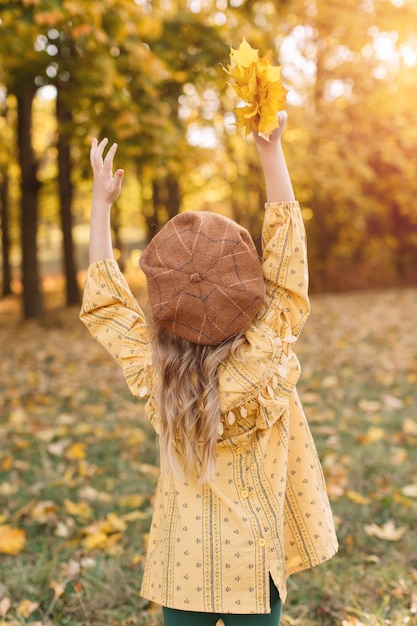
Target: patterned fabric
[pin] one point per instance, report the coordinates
(212, 548)
(204, 277)
(175, 617)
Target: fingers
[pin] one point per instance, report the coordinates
(282, 117)
(93, 150)
(117, 182)
(96, 154)
(96, 151)
(108, 160)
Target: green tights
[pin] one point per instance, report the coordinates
(175, 617)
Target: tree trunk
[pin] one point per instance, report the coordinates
(65, 200)
(166, 198)
(32, 297)
(174, 198)
(5, 235)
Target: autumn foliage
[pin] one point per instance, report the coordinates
(149, 76)
(258, 83)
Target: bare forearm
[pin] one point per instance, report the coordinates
(100, 234)
(277, 179)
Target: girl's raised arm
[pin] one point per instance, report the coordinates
(277, 179)
(106, 190)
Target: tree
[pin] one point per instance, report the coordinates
(149, 76)
(346, 88)
(32, 299)
(4, 200)
(65, 186)
(19, 64)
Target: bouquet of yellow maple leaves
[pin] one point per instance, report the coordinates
(258, 83)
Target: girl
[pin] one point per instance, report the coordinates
(241, 502)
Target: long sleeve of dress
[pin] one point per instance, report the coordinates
(265, 369)
(285, 268)
(114, 318)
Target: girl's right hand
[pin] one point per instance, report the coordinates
(106, 187)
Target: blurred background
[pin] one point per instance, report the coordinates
(149, 75)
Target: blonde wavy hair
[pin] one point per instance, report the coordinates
(188, 401)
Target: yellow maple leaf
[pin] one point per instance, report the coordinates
(78, 509)
(257, 82)
(12, 540)
(132, 501)
(356, 497)
(95, 540)
(76, 452)
(244, 56)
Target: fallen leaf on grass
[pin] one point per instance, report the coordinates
(5, 604)
(6, 463)
(413, 604)
(133, 516)
(63, 529)
(392, 402)
(104, 534)
(132, 501)
(12, 540)
(58, 448)
(387, 531)
(369, 406)
(71, 569)
(7, 489)
(78, 509)
(356, 497)
(58, 589)
(44, 512)
(26, 608)
(330, 381)
(76, 452)
(410, 491)
(136, 559)
(410, 426)
(372, 435)
(89, 493)
(399, 456)
(337, 477)
(150, 470)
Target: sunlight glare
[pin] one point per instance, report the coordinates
(408, 55)
(384, 45)
(47, 92)
(203, 137)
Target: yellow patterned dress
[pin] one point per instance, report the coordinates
(213, 547)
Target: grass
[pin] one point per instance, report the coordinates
(78, 468)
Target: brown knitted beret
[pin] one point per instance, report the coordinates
(204, 277)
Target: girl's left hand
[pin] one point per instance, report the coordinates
(106, 187)
(275, 136)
